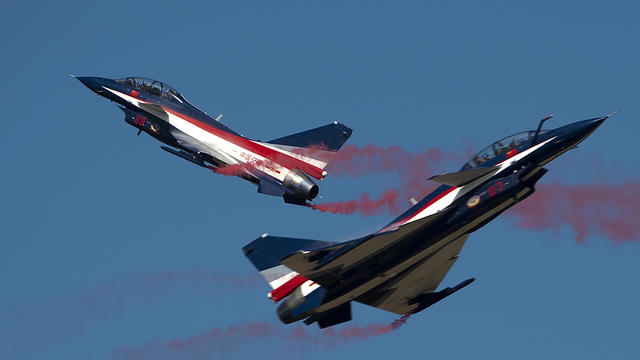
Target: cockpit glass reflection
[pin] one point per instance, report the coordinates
(153, 87)
(500, 150)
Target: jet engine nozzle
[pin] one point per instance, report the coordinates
(299, 183)
(296, 306)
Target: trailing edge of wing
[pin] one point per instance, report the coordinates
(462, 177)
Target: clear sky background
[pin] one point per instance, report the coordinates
(110, 243)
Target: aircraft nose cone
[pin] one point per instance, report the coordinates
(93, 83)
(582, 129)
(590, 125)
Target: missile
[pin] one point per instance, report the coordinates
(185, 155)
(428, 299)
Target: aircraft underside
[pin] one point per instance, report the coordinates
(400, 282)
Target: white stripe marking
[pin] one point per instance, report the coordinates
(446, 200)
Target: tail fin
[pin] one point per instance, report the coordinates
(301, 295)
(266, 252)
(316, 146)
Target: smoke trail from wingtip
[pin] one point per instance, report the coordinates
(609, 210)
(221, 341)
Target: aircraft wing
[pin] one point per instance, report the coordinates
(399, 295)
(462, 177)
(325, 265)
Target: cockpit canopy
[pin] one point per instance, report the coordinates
(500, 150)
(153, 87)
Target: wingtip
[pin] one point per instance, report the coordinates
(72, 75)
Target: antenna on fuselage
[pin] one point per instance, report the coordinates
(219, 117)
(535, 137)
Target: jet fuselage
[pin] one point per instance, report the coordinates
(281, 167)
(399, 267)
(468, 208)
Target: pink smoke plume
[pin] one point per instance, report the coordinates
(107, 300)
(229, 170)
(609, 210)
(223, 340)
(105, 295)
(352, 160)
(412, 169)
(240, 169)
(363, 205)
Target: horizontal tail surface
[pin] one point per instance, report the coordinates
(266, 252)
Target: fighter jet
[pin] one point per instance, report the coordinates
(399, 267)
(279, 167)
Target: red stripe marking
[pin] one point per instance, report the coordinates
(287, 288)
(400, 222)
(283, 159)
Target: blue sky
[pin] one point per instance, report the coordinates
(108, 242)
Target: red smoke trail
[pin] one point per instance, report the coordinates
(364, 205)
(229, 170)
(40, 318)
(240, 169)
(223, 340)
(104, 296)
(352, 160)
(608, 210)
(412, 169)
